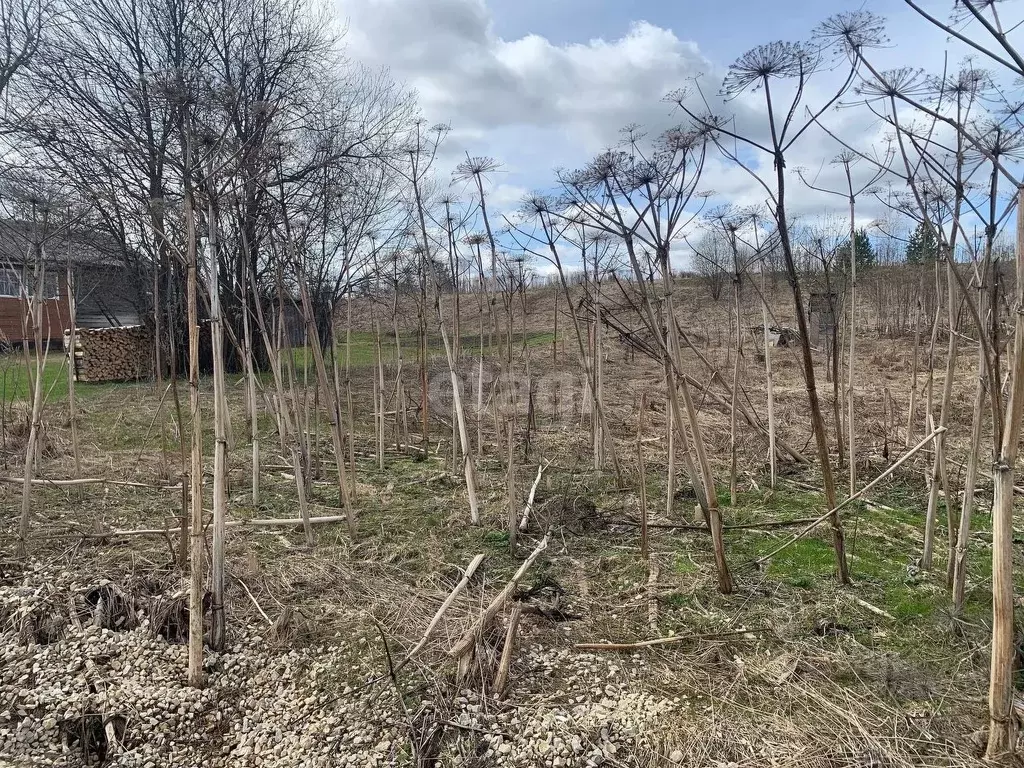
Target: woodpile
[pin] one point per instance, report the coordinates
(111, 354)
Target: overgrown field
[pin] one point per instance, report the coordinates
(789, 670)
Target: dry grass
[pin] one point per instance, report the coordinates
(820, 681)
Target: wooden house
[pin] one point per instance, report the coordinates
(15, 328)
(106, 289)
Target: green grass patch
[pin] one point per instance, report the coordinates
(677, 600)
(684, 565)
(805, 558)
(880, 544)
(16, 382)
(496, 539)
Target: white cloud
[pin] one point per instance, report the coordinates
(580, 94)
(535, 105)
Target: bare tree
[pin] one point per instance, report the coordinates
(22, 26)
(711, 262)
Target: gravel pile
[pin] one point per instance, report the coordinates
(263, 706)
(586, 712)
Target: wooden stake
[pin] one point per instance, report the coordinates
(510, 480)
(1002, 733)
(72, 409)
(250, 388)
(974, 454)
(348, 393)
(378, 395)
(852, 330)
(220, 419)
(468, 464)
(737, 282)
(300, 486)
(34, 318)
(912, 408)
(773, 462)
(196, 677)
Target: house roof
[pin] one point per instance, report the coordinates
(107, 294)
(85, 247)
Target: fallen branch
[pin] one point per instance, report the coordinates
(425, 480)
(663, 641)
(873, 608)
(818, 521)
(801, 484)
(870, 503)
(402, 447)
(470, 570)
(524, 521)
(253, 599)
(89, 481)
(767, 524)
(276, 521)
(464, 649)
(734, 527)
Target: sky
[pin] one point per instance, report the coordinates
(546, 84)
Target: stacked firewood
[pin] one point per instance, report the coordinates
(111, 354)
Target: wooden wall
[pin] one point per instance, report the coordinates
(56, 316)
